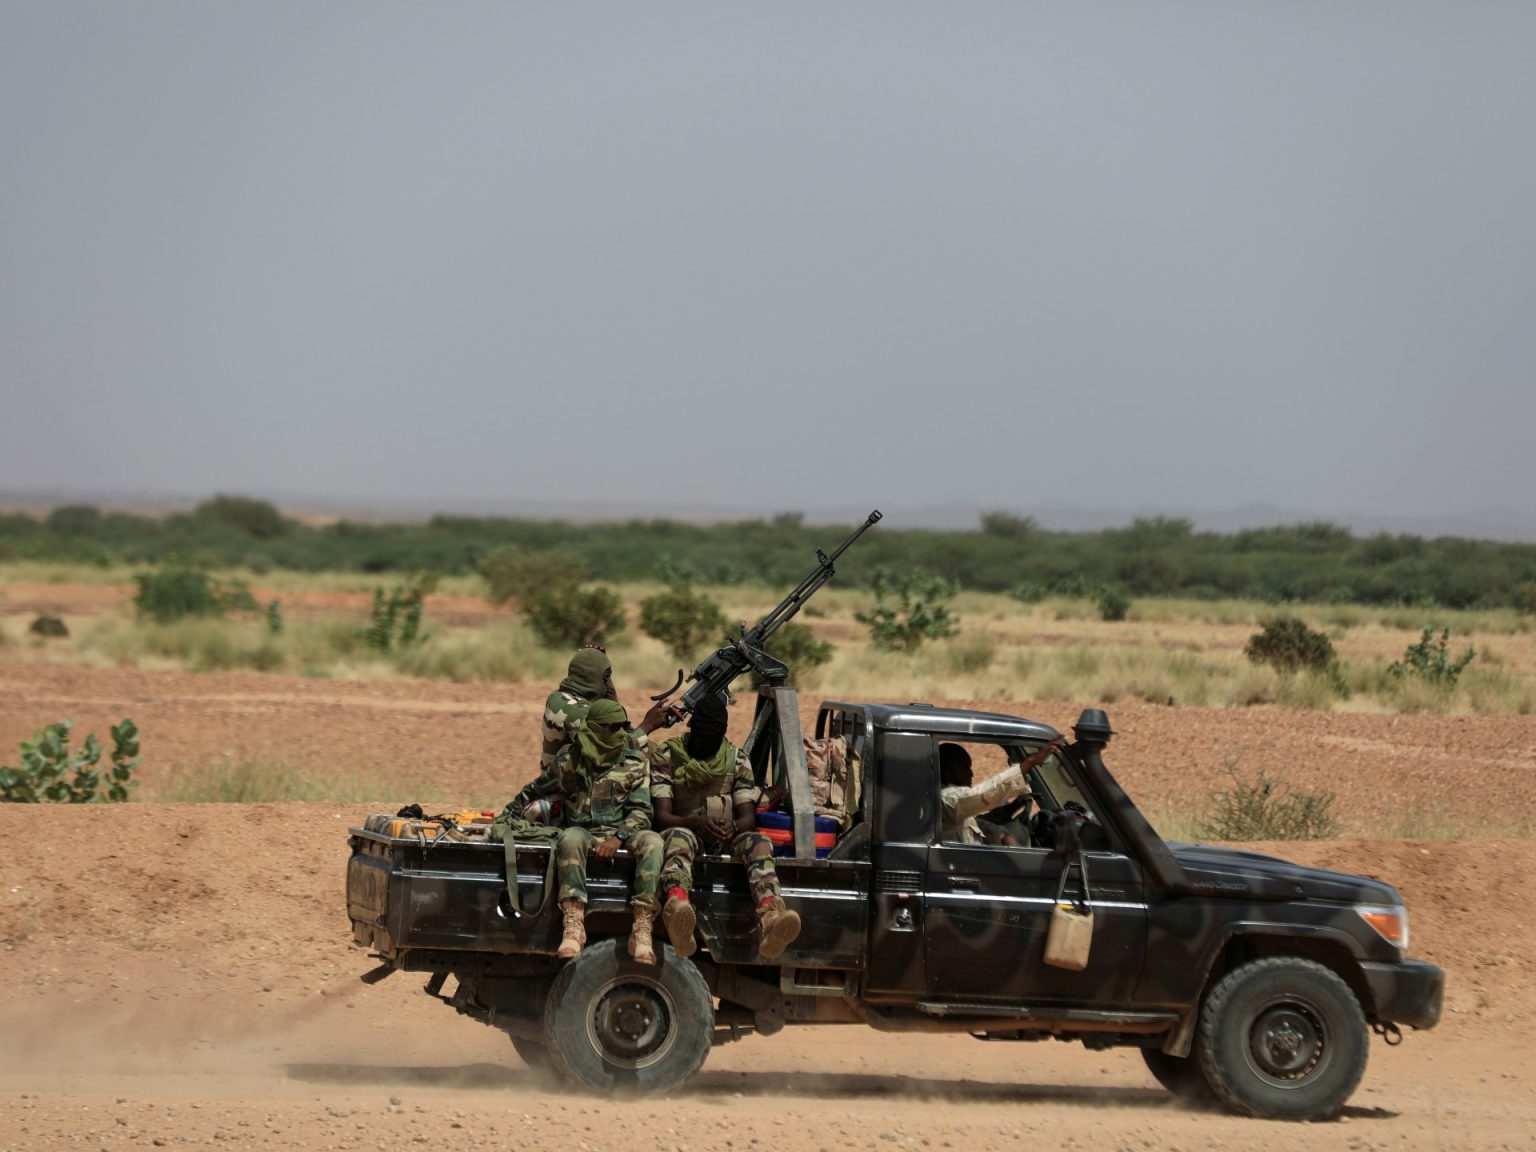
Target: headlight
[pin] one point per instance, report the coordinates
(1389, 920)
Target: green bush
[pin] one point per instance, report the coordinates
(171, 593)
(50, 772)
(796, 645)
(1525, 598)
(918, 613)
(683, 620)
(514, 574)
(275, 618)
(1113, 603)
(1288, 645)
(256, 518)
(1429, 660)
(394, 622)
(1262, 809)
(49, 628)
(570, 616)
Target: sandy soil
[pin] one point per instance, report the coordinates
(183, 976)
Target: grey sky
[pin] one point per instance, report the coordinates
(1194, 255)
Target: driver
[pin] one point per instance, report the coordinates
(964, 802)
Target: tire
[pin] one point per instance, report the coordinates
(620, 1028)
(1181, 1075)
(533, 1053)
(1283, 1039)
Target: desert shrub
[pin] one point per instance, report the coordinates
(255, 518)
(1262, 809)
(173, 592)
(570, 616)
(918, 613)
(682, 619)
(1112, 602)
(394, 622)
(1287, 644)
(1525, 598)
(1028, 592)
(48, 627)
(275, 618)
(801, 651)
(514, 574)
(50, 772)
(1429, 660)
(1007, 525)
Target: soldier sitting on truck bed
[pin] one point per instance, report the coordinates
(704, 795)
(964, 802)
(589, 677)
(605, 806)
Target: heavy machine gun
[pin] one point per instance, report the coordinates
(745, 652)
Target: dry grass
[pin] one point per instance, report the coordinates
(1169, 652)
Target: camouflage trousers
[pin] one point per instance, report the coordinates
(571, 864)
(682, 847)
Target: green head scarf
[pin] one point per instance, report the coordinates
(585, 675)
(603, 747)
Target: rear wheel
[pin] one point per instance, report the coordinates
(1179, 1074)
(618, 1027)
(1283, 1039)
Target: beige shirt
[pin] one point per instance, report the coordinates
(962, 804)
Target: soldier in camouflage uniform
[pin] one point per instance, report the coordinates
(606, 805)
(704, 796)
(589, 677)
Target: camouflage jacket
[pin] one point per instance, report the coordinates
(563, 714)
(618, 799)
(692, 800)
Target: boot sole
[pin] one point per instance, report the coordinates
(785, 931)
(679, 926)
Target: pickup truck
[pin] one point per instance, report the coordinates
(1242, 979)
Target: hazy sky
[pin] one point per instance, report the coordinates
(1188, 254)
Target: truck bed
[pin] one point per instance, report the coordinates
(407, 894)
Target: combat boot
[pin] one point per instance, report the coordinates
(777, 928)
(575, 914)
(677, 918)
(640, 946)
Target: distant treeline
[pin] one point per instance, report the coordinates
(1151, 557)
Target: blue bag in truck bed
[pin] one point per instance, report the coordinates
(780, 829)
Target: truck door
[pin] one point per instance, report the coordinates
(988, 910)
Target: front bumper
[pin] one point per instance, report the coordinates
(1408, 993)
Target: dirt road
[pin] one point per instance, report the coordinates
(183, 976)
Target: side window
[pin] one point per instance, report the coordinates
(972, 809)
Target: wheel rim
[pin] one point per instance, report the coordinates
(1288, 1042)
(630, 1025)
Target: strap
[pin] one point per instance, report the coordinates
(1081, 863)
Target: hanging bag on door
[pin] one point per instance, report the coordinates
(1071, 932)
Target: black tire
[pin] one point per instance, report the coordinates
(1181, 1075)
(621, 1028)
(534, 1053)
(1283, 1039)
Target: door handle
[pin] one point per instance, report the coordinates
(965, 882)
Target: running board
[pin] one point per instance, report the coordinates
(1087, 1019)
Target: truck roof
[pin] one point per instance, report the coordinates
(919, 717)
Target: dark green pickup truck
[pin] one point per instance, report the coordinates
(1241, 978)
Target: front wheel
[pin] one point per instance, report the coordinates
(1283, 1039)
(618, 1027)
